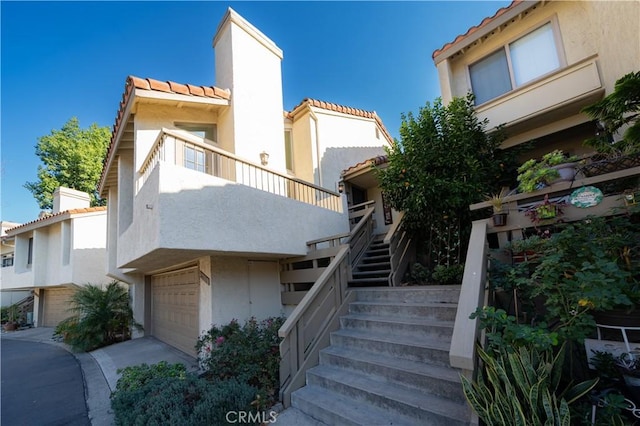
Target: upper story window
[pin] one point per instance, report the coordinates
(206, 131)
(517, 63)
(7, 260)
(193, 157)
(30, 251)
(288, 149)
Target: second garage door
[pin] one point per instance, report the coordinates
(56, 306)
(174, 308)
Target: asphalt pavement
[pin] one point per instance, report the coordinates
(42, 384)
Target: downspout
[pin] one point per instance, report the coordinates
(315, 119)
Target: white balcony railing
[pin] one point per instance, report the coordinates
(191, 152)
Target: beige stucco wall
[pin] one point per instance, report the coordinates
(67, 252)
(242, 287)
(181, 209)
(608, 29)
(327, 142)
(249, 63)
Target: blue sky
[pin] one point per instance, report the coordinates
(65, 59)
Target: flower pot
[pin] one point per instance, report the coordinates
(547, 211)
(567, 171)
(10, 326)
(499, 219)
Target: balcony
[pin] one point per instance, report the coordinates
(552, 98)
(193, 199)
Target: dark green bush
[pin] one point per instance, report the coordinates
(249, 353)
(137, 376)
(101, 317)
(443, 274)
(184, 401)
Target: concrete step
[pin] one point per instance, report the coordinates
(418, 328)
(374, 266)
(429, 409)
(375, 251)
(440, 311)
(425, 378)
(334, 409)
(369, 282)
(375, 259)
(411, 294)
(432, 351)
(374, 273)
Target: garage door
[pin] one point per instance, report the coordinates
(174, 308)
(56, 305)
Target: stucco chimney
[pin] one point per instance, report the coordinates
(249, 64)
(68, 199)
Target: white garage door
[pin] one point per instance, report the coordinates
(174, 308)
(56, 305)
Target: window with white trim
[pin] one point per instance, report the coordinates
(193, 157)
(205, 131)
(515, 64)
(288, 149)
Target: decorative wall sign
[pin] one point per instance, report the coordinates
(585, 197)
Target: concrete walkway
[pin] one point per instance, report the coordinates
(100, 371)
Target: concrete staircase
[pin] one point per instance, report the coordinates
(388, 364)
(374, 267)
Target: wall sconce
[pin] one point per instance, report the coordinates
(264, 158)
(341, 186)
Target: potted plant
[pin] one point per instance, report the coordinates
(536, 174)
(497, 202)
(545, 210)
(628, 364)
(12, 318)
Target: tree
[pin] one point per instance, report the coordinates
(73, 158)
(444, 162)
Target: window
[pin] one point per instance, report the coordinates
(7, 260)
(517, 63)
(288, 149)
(206, 131)
(193, 158)
(30, 251)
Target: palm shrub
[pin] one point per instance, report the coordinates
(523, 388)
(100, 317)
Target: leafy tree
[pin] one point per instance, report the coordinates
(73, 158)
(617, 111)
(101, 317)
(444, 162)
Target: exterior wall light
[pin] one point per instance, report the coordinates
(264, 158)
(341, 186)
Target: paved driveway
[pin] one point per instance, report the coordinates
(41, 385)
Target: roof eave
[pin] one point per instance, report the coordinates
(481, 30)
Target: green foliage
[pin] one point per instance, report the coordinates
(444, 162)
(71, 157)
(523, 388)
(101, 317)
(618, 109)
(249, 353)
(505, 334)
(135, 377)
(443, 274)
(180, 400)
(419, 274)
(588, 266)
(10, 313)
(534, 174)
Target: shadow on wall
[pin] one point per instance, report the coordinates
(335, 160)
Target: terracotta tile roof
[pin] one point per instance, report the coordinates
(473, 29)
(375, 161)
(158, 86)
(70, 212)
(342, 109)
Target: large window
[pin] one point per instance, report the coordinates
(517, 63)
(193, 157)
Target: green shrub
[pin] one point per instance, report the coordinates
(249, 353)
(443, 274)
(137, 376)
(101, 317)
(183, 401)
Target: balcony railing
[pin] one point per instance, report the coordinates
(185, 150)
